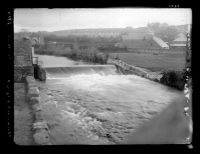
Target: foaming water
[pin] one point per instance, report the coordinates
(98, 100)
(119, 87)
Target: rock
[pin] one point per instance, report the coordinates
(36, 107)
(41, 75)
(34, 100)
(31, 84)
(40, 125)
(39, 116)
(30, 79)
(33, 92)
(41, 137)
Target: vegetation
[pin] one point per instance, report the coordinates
(164, 31)
(88, 55)
(162, 61)
(81, 38)
(173, 79)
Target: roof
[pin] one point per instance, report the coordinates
(140, 44)
(181, 37)
(178, 45)
(137, 36)
(160, 42)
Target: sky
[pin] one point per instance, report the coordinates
(63, 19)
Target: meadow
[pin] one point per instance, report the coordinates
(154, 62)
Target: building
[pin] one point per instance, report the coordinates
(143, 39)
(160, 42)
(179, 43)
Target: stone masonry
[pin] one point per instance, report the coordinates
(22, 60)
(41, 131)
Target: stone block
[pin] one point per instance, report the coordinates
(33, 92)
(30, 79)
(31, 84)
(37, 107)
(34, 100)
(40, 125)
(41, 137)
(38, 116)
(20, 73)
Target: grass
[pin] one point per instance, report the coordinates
(154, 62)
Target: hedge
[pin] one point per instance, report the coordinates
(175, 79)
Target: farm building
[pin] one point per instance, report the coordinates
(140, 44)
(179, 42)
(137, 34)
(160, 42)
(142, 39)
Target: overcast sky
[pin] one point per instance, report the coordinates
(62, 19)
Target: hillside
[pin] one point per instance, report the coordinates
(114, 31)
(179, 28)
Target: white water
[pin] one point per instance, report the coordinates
(122, 100)
(120, 87)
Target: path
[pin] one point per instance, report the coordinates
(23, 118)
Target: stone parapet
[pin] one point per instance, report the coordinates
(20, 73)
(41, 131)
(130, 69)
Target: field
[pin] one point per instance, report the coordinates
(154, 62)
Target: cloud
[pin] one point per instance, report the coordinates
(59, 19)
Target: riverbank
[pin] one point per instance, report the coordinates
(23, 117)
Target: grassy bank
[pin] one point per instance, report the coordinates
(154, 62)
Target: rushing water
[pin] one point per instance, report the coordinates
(100, 104)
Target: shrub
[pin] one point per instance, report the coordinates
(173, 79)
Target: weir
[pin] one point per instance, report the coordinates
(80, 69)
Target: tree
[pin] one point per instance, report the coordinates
(164, 31)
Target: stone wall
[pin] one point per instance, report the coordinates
(41, 133)
(20, 73)
(125, 68)
(22, 59)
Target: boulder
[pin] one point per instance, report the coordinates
(33, 92)
(40, 125)
(36, 107)
(34, 100)
(39, 116)
(42, 74)
(30, 79)
(31, 84)
(41, 137)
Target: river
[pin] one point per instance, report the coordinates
(93, 104)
